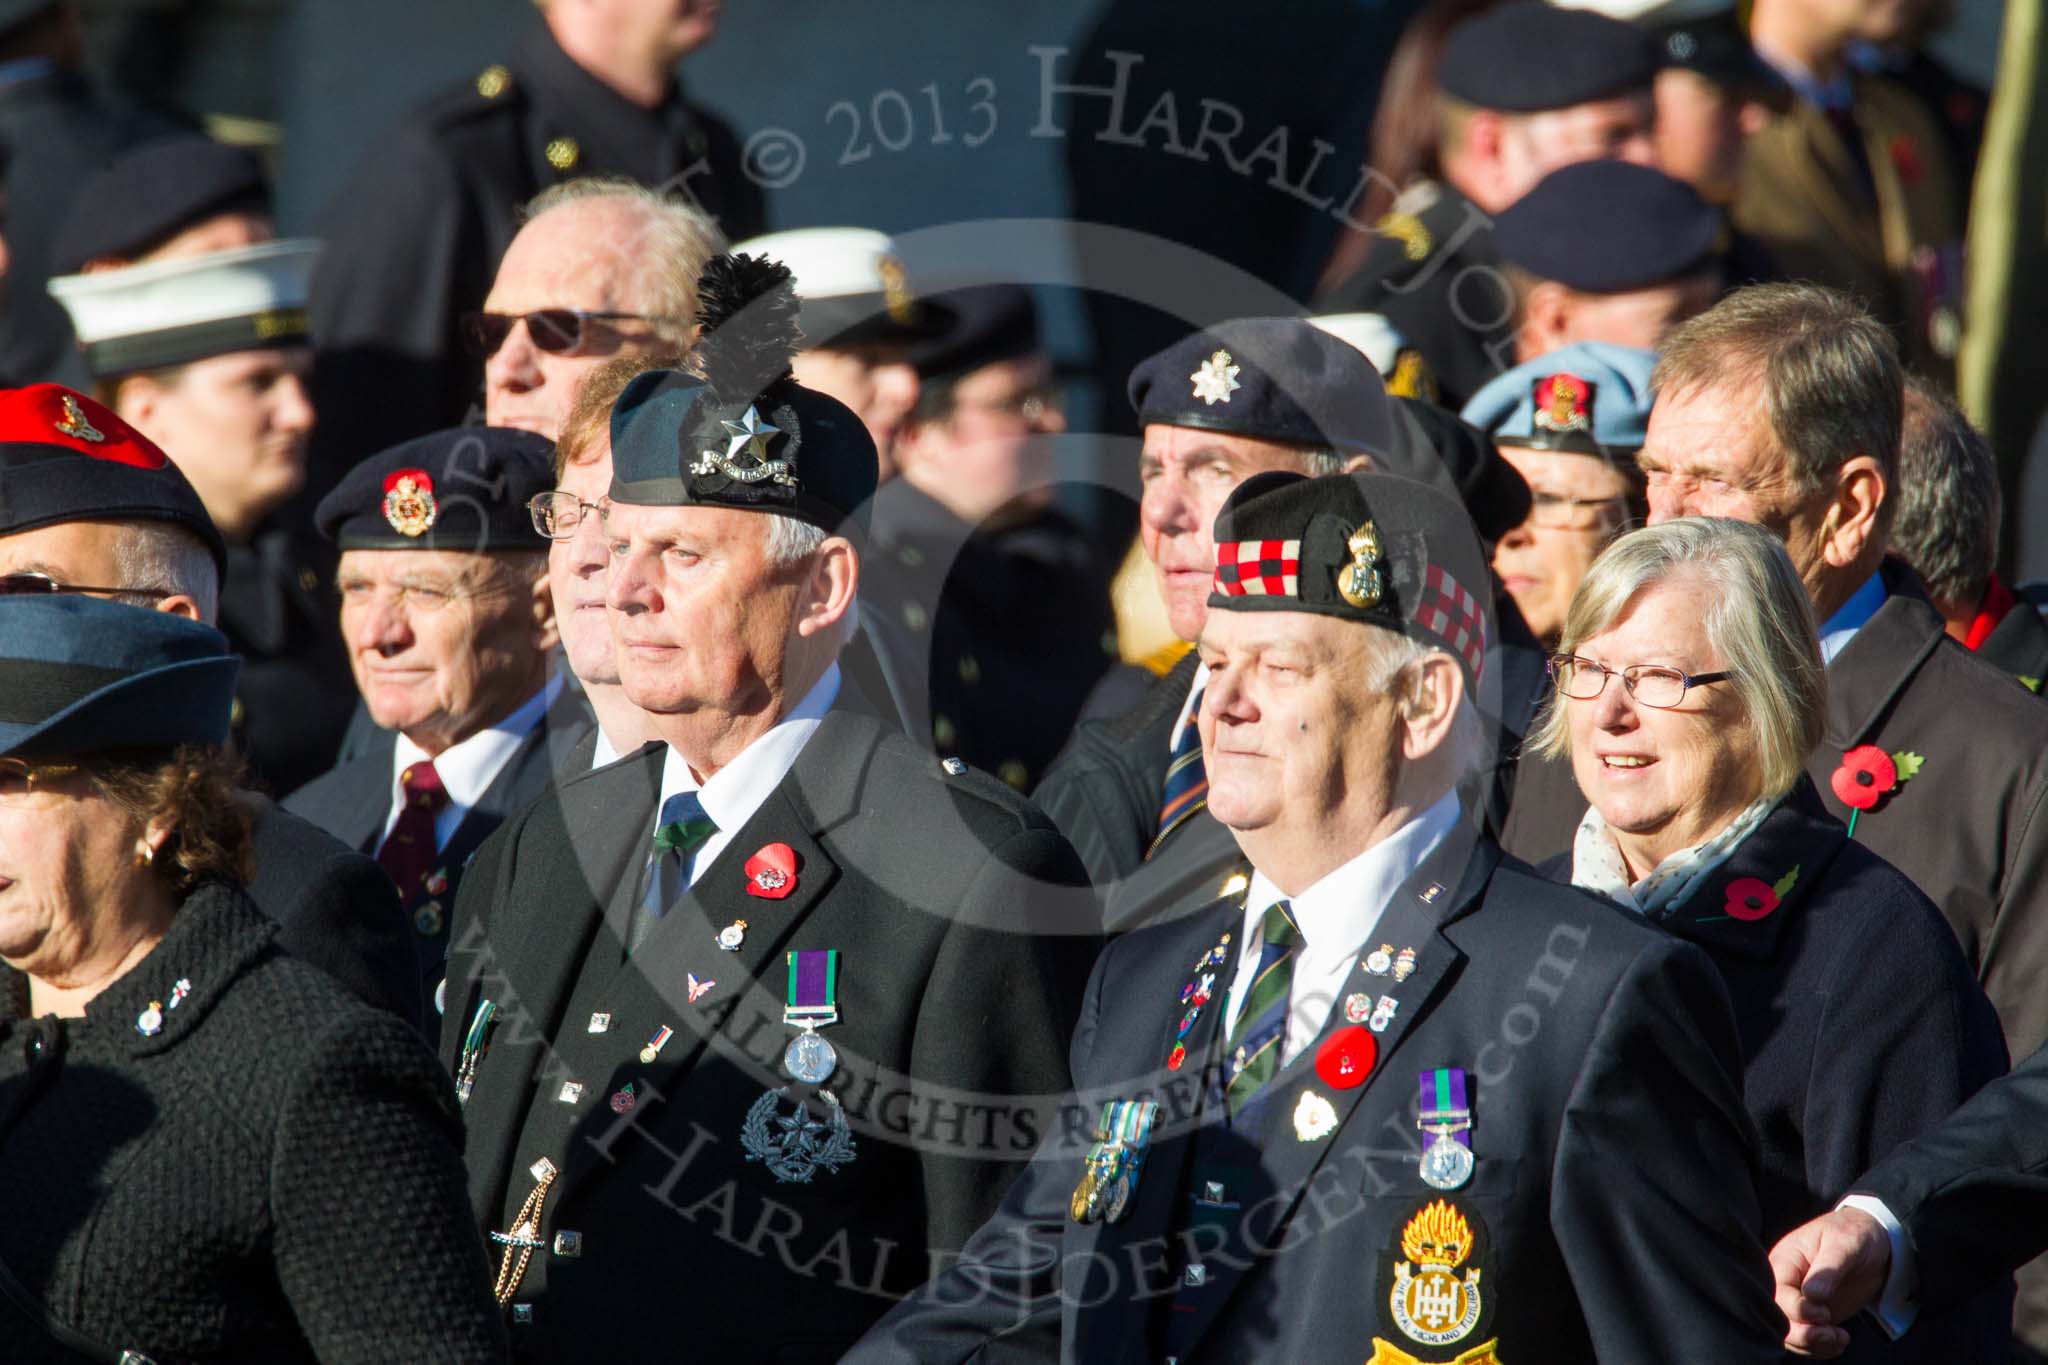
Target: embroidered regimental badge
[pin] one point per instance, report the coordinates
(409, 502)
(1434, 1283)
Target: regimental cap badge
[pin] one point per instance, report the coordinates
(75, 425)
(896, 295)
(1564, 403)
(746, 453)
(1362, 582)
(1216, 379)
(409, 502)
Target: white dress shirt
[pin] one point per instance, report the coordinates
(1187, 707)
(737, 790)
(1337, 917)
(604, 752)
(467, 769)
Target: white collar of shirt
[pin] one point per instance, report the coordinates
(604, 752)
(1336, 917)
(468, 768)
(1838, 630)
(738, 789)
(1187, 707)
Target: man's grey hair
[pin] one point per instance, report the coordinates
(1390, 654)
(1949, 509)
(166, 558)
(1823, 371)
(676, 240)
(791, 541)
(1760, 623)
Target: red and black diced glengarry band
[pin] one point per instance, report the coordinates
(1246, 568)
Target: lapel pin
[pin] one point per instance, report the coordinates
(1380, 960)
(151, 1020)
(437, 881)
(1315, 1118)
(697, 988)
(1383, 1013)
(601, 1022)
(571, 1092)
(179, 992)
(771, 872)
(1357, 1008)
(1404, 964)
(733, 935)
(623, 1099)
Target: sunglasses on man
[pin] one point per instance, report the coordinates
(32, 584)
(558, 331)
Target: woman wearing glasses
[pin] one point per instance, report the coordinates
(1570, 422)
(208, 1150)
(1689, 694)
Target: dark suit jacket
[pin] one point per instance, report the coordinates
(335, 909)
(1861, 1027)
(1973, 1193)
(354, 800)
(295, 694)
(2018, 644)
(1614, 1177)
(273, 1175)
(955, 1009)
(1968, 829)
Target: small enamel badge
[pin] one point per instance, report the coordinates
(1216, 380)
(771, 872)
(733, 935)
(1315, 1118)
(1404, 964)
(179, 991)
(437, 882)
(151, 1020)
(1380, 961)
(698, 988)
(624, 1099)
(409, 504)
(1357, 1008)
(1383, 1013)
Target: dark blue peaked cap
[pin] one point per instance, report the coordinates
(82, 675)
(1607, 227)
(1271, 379)
(1528, 56)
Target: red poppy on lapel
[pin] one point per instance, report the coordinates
(1906, 156)
(1750, 898)
(771, 873)
(1868, 774)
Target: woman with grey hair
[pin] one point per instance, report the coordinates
(1689, 693)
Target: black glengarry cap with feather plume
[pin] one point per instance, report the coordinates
(741, 432)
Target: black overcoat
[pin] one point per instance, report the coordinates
(1861, 1027)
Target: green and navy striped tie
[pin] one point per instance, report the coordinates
(1262, 1020)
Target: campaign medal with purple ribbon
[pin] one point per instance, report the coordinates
(1446, 1112)
(813, 1002)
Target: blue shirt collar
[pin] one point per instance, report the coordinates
(1838, 630)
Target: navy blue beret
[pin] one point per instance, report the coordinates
(1529, 56)
(82, 675)
(465, 488)
(1373, 548)
(677, 443)
(1272, 379)
(1609, 226)
(64, 457)
(150, 192)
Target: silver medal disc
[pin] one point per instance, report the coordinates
(810, 1059)
(1447, 1164)
(1119, 1197)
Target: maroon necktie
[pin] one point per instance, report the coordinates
(408, 852)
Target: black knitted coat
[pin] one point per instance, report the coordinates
(232, 1158)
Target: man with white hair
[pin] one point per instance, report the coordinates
(1262, 1183)
(787, 964)
(602, 268)
(416, 233)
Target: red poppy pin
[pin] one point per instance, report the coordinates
(1753, 898)
(1868, 774)
(1906, 156)
(771, 873)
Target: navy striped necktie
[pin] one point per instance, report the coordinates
(1187, 782)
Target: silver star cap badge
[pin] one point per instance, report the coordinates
(750, 433)
(1216, 380)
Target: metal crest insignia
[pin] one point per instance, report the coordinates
(794, 1145)
(1360, 582)
(74, 424)
(1216, 380)
(746, 457)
